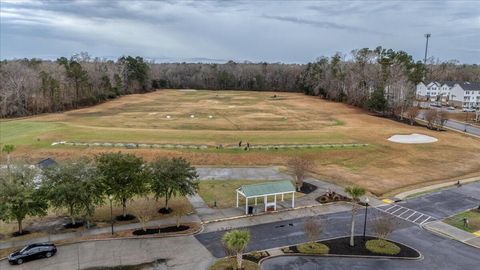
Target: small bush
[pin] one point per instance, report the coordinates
(231, 264)
(313, 248)
(380, 246)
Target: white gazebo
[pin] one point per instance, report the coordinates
(264, 190)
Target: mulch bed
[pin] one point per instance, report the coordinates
(125, 218)
(70, 225)
(170, 229)
(165, 211)
(332, 197)
(256, 256)
(146, 232)
(307, 188)
(341, 246)
(16, 234)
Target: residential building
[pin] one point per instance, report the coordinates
(466, 94)
(435, 91)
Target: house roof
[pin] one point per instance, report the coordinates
(470, 85)
(464, 84)
(46, 163)
(275, 187)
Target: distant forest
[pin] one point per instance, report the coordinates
(33, 86)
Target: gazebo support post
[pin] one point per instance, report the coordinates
(246, 205)
(265, 200)
(237, 198)
(255, 200)
(282, 197)
(275, 202)
(293, 199)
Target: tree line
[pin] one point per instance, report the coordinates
(33, 86)
(81, 185)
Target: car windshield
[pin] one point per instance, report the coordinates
(24, 249)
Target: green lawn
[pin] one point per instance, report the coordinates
(473, 217)
(223, 192)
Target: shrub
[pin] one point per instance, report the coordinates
(385, 247)
(313, 248)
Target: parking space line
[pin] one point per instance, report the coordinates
(396, 210)
(418, 218)
(414, 212)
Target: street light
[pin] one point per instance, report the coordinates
(466, 121)
(110, 197)
(365, 222)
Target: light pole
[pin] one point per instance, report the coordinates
(466, 120)
(427, 36)
(365, 222)
(110, 197)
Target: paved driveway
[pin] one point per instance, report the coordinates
(182, 253)
(241, 173)
(448, 202)
(439, 253)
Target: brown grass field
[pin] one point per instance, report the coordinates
(258, 118)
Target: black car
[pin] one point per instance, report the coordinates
(32, 252)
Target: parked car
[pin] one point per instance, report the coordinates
(468, 109)
(451, 108)
(32, 252)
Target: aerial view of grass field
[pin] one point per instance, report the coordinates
(226, 117)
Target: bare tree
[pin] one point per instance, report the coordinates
(179, 212)
(144, 212)
(383, 226)
(299, 167)
(412, 113)
(440, 119)
(313, 229)
(430, 117)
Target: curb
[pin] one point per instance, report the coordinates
(405, 194)
(421, 257)
(442, 234)
(266, 213)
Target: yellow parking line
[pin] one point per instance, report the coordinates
(477, 233)
(387, 201)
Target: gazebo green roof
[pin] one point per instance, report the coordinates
(255, 190)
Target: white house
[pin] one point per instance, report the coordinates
(435, 90)
(466, 94)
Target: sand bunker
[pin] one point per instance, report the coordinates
(187, 90)
(412, 138)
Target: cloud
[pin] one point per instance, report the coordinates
(322, 24)
(274, 31)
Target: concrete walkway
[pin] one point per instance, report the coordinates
(241, 173)
(445, 229)
(95, 231)
(405, 194)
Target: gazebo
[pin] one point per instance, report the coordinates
(264, 190)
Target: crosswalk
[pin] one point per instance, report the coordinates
(406, 213)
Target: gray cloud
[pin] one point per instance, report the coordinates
(322, 24)
(216, 31)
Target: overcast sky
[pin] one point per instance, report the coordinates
(272, 31)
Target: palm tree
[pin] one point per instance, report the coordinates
(355, 193)
(236, 241)
(8, 148)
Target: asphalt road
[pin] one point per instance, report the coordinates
(439, 252)
(444, 203)
(461, 127)
(289, 232)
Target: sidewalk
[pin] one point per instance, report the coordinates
(405, 194)
(443, 228)
(96, 231)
